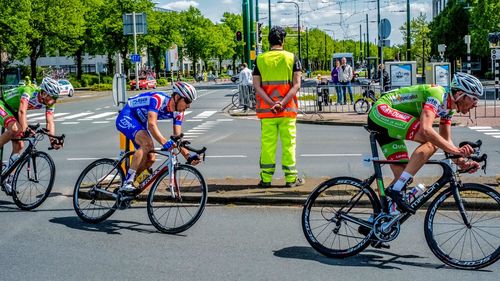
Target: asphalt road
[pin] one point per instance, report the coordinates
(227, 243)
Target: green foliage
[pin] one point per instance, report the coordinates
(89, 80)
(485, 18)
(101, 87)
(420, 33)
(161, 82)
(74, 82)
(14, 26)
(322, 72)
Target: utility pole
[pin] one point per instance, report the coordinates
(269, 12)
(307, 51)
(246, 32)
(360, 45)
(256, 39)
(423, 60)
(252, 33)
(378, 31)
(408, 23)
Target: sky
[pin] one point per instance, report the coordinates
(339, 18)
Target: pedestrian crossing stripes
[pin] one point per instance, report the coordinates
(489, 131)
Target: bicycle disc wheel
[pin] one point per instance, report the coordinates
(456, 244)
(33, 180)
(91, 205)
(323, 217)
(361, 106)
(174, 213)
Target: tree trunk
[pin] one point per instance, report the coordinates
(79, 62)
(33, 58)
(111, 64)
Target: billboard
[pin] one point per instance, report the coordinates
(442, 75)
(401, 74)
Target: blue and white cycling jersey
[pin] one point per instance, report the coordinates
(157, 102)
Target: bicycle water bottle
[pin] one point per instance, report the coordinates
(415, 192)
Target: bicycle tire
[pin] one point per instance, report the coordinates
(30, 192)
(185, 211)
(361, 106)
(474, 197)
(235, 100)
(322, 206)
(85, 196)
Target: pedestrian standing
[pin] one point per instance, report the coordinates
(345, 77)
(245, 87)
(335, 82)
(276, 79)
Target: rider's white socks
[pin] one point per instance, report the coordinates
(401, 182)
(130, 175)
(13, 158)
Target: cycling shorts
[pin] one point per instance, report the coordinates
(129, 126)
(393, 127)
(6, 116)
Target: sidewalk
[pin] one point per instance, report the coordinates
(246, 191)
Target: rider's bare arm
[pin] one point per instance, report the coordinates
(23, 114)
(49, 118)
(430, 135)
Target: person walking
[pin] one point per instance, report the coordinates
(245, 87)
(276, 79)
(335, 82)
(345, 77)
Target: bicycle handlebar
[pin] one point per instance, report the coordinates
(42, 131)
(185, 144)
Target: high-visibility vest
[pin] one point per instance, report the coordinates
(276, 71)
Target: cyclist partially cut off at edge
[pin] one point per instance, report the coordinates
(408, 114)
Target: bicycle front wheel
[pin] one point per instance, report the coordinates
(329, 214)
(176, 210)
(235, 100)
(361, 106)
(33, 180)
(92, 197)
(471, 246)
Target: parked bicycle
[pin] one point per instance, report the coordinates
(175, 201)
(343, 215)
(250, 99)
(363, 104)
(33, 172)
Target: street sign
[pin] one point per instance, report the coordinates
(135, 58)
(384, 28)
(140, 24)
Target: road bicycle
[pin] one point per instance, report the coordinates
(235, 100)
(343, 215)
(175, 201)
(363, 104)
(33, 173)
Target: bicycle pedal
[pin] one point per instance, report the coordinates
(380, 245)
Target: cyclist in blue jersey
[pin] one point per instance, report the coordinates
(138, 121)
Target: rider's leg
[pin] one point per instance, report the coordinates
(12, 130)
(145, 143)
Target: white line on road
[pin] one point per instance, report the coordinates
(498, 137)
(224, 120)
(70, 123)
(492, 130)
(55, 116)
(193, 133)
(194, 120)
(205, 114)
(102, 115)
(479, 128)
(100, 122)
(35, 114)
(83, 159)
(497, 133)
(75, 116)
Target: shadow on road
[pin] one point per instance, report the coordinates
(108, 226)
(369, 258)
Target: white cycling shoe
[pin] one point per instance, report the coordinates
(128, 187)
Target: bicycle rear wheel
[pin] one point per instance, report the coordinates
(90, 202)
(456, 244)
(235, 100)
(176, 213)
(361, 106)
(324, 217)
(33, 180)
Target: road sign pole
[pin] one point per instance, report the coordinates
(135, 52)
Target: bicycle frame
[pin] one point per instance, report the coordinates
(29, 150)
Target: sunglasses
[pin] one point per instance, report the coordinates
(187, 101)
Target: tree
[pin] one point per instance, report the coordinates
(53, 28)
(449, 28)
(14, 25)
(485, 18)
(221, 43)
(235, 23)
(420, 36)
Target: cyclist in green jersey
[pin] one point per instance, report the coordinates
(408, 114)
(14, 105)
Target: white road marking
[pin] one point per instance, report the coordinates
(492, 130)
(100, 122)
(194, 120)
(193, 133)
(75, 116)
(498, 137)
(102, 115)
(205, 114)
(497, 133)
(35, 114)
(82, 159)
(70, 123)
(224, 120)
(55, 116)
(479, 128)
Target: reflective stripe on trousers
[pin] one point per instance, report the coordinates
(286, 129)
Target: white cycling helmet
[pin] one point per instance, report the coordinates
(467, 83)
(51, 87)
(185, 90)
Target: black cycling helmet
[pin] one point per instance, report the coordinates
(277, 35)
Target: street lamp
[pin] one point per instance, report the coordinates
(298, 23)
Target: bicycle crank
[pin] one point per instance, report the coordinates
(123, 201)
(385, 228)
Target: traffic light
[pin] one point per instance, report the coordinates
(494, 38)
(259, 33)
(239, 36)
